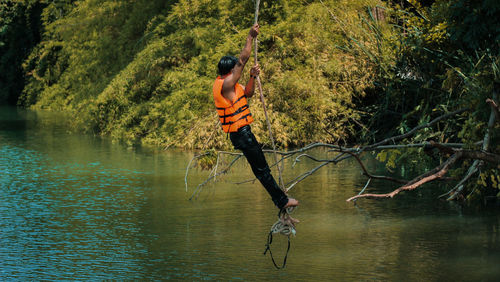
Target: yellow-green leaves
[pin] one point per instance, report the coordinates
(142, 71)
(389, 157)
(489, 178)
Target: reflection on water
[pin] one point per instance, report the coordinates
(78, 207)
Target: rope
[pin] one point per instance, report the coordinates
(282, 226)
(268, 248)
(259, 85)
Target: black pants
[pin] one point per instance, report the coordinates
(245, 141)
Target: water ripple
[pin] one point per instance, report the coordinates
(52, 215)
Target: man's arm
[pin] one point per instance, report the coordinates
(250, 87)
(234, 77)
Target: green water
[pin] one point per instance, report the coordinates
(77, 207)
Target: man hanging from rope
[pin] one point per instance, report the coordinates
(231, 103)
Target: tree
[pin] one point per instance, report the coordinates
(20, 28)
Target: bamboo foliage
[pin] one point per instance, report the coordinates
(142, 71)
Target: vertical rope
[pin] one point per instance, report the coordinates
(259, 85)
(279, 226)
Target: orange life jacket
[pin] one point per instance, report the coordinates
(232, 115)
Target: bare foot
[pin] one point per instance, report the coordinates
(291, 203)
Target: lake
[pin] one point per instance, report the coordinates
(80, 207)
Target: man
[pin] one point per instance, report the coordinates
(231, 102)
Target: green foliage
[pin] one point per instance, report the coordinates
(433, 73)
(388, 157)
(19, 32)
(208, 160)
(490, 178)
(142, 71)
(447, 58)
(85, 44)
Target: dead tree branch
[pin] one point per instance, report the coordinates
(189, 166)
(365, 171)
(460, 185)
(306, 174)
(439, 171)
(483, 156)
(417, 128)
(455, 151)
(214, 173)
(364, 188)
(494, 108)
(469, 154)
(436, 173)
(457, 190)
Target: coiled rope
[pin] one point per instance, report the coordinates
(284, 226)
